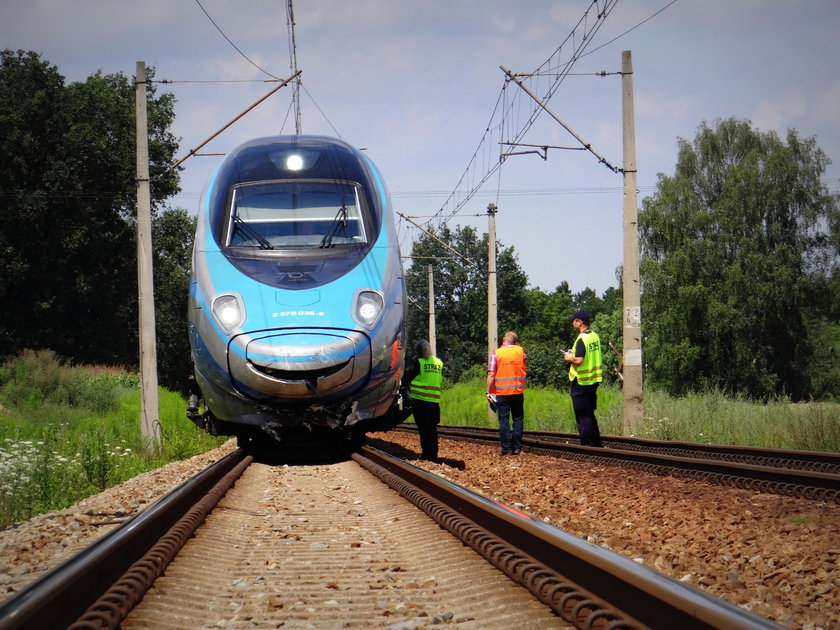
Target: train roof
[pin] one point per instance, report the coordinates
(274, 158)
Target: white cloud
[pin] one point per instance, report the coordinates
(779, 115)
(826, 105)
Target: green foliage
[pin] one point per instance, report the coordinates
(710, 417)
(546, 367)
(717, 418)
(549, 323)
(541, 320)
(546, 409)
(173, 233)
(734, 255)
(66, 433)
(39, 378)
(68, 244)
(609, 326)
(823, 370)
(96, 459)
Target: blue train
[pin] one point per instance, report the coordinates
(297, 297)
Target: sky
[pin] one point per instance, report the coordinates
(418, 85)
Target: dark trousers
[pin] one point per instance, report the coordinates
(427, 417)
(584, 402)
(507, 406)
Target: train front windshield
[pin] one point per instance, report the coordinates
(302, 215)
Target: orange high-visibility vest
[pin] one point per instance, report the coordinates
(510, 371)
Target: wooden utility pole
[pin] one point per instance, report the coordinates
(432, 332)
(149, 413)
(492, 305)
(631, 292)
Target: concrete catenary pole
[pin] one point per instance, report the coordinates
(492, 304)
(631, 291)
(432, 332)
(149, 408)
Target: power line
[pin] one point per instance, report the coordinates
(520, 192)
(584, 30)
(212, 81)
(248, 59)
(318, 107)
(630, 29)
(553, 69)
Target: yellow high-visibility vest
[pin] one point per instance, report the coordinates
(590, 371)
(426, 385)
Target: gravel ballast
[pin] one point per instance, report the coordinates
(776, 556)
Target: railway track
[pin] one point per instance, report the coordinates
(810, 474)
(585, 586)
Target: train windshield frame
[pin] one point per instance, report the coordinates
(306, 217)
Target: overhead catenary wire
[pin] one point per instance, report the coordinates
(446, 245)
(457, 199)
(632, 28)
(338, 135)
(585, 145)
(554, 69)
(229, 41)
(283, 83)
(212, 81)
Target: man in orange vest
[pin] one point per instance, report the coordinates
(506, 373)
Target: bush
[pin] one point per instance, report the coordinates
(68, 432)
(39, 377)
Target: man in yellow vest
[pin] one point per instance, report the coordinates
(506, 373)
(425, 376)
(585, 373)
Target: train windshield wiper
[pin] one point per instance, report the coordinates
(340, 219)
(252, 233)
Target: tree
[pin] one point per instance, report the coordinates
(549, 331)
(172, 234)
(461, 295)
(541, 320)
(734, 254)
(67, 176)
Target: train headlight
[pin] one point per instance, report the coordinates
(228, 310)
(294, 159)
(367, 307)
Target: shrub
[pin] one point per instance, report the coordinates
(68, 432)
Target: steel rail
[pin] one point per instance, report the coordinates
(587, 585)
(820, 461)
(789, 481)
(63, 595)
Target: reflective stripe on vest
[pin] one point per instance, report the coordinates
(510, 371)
(590, 371)
(426, 385)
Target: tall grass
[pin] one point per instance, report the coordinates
(67, 433)
(709, 417)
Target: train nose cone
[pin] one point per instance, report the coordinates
(303, 364)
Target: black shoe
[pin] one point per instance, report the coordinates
(516, 452)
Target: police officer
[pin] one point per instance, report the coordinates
(585, 373)
(506, 371)
(425, 376)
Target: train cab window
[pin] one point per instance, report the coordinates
(302, 215)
